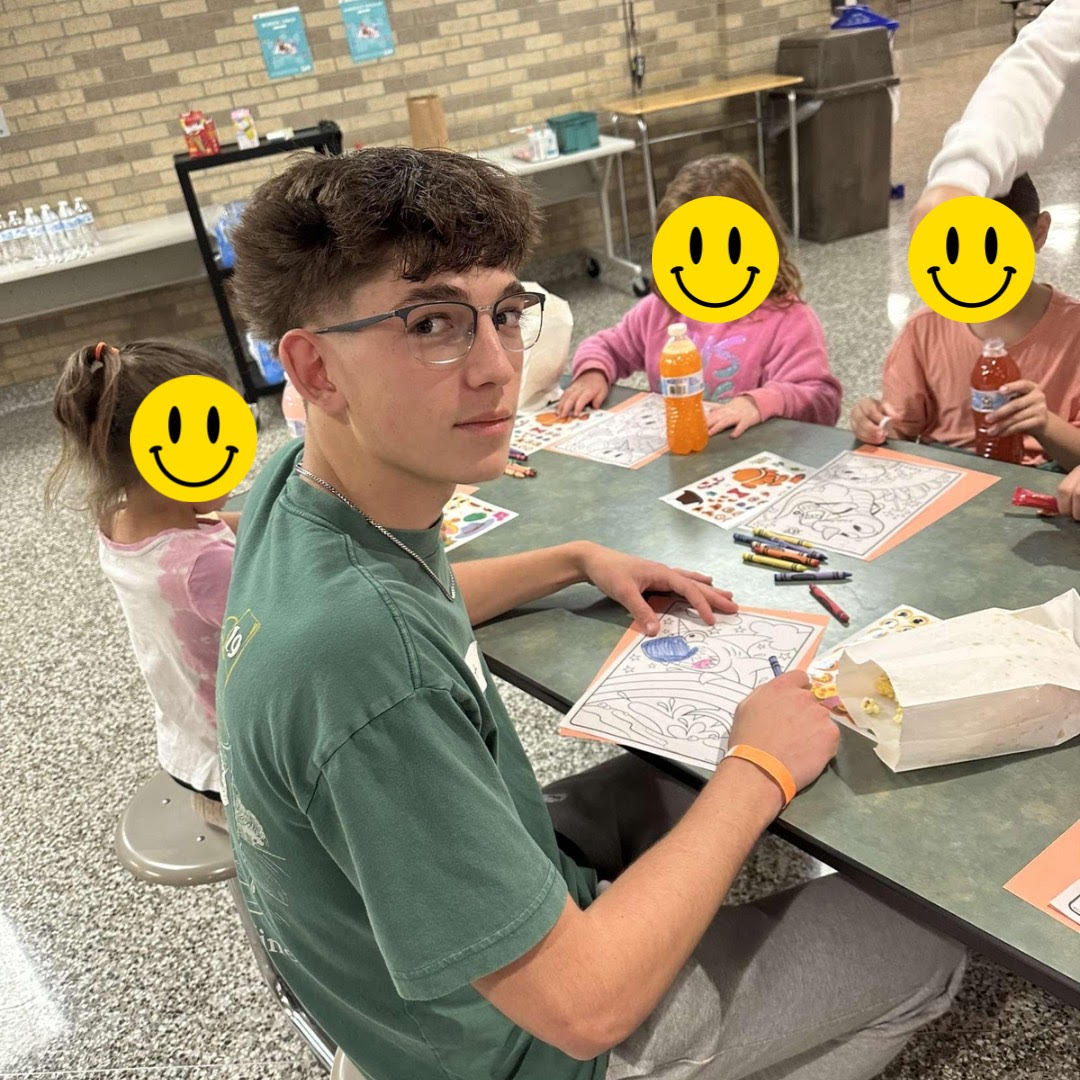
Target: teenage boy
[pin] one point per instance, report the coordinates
(926, 384)
(394, 847)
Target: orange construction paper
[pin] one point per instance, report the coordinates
(1051, 872)
(661, 604)
(970, 484)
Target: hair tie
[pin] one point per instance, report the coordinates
(97, 350)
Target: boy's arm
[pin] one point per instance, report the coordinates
(1061, 442)
(905, 390)
(490, 587)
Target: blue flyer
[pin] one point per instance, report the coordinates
(284, 43)
(367, 29)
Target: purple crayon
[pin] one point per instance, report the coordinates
(813, 575)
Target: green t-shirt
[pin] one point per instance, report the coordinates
(390, 836)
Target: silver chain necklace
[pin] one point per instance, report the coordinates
(448, 593)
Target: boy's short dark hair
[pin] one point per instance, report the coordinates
(313, 233)
(1023, 200)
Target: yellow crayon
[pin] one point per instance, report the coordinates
(768, 534)
(776, 564)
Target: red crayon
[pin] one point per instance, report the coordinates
(1047, 503)
(830, 605)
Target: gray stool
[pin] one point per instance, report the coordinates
(161, 838)
(344, 1069)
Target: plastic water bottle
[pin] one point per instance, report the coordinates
(59, 248)
(86, 220)
(73, 231)
(17, 243)
(292, 408)
(993, 370)
(683, 387)
(36, 242)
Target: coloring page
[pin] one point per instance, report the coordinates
(466, 517)
(1068, 902)
(727, 498)
(633, 435)
(535, 431)
(855, 503)
(676, 694)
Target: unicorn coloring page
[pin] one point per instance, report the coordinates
(855, 503)
(676, 694)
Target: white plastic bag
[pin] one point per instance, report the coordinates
(546, 360)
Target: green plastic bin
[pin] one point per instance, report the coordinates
(575, 131)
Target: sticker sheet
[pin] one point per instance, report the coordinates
(537, 431)
(465, 517)
(727, 498)
(864, 502)
(822, 671)
(675, 694)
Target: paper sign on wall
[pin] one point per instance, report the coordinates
(284, 43)
(367, 29)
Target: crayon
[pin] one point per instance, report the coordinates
(792, 554)
(814, 575)
(519, 472)
(1047, 503)
(765, 560)
(813, 553)
(775, 665)
(518, 455)
(768, 534)
(831, 606)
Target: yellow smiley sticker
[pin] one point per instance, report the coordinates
(193, 438)
(715, 259)
(971, 259)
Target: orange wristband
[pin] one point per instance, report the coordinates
(775, 769)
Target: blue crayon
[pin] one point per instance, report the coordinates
(775, 665)
(747, 538)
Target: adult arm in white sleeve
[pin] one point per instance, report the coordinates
(1027, 105)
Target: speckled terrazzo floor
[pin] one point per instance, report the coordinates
(101, 975)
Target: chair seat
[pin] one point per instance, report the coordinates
(160, 837)
(344, 1069)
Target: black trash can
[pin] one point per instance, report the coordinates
(845, 130)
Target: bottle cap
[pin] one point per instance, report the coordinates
(677, 329)
(993, 347)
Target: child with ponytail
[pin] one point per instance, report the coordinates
(168, 562)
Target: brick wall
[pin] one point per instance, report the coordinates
(92, 89)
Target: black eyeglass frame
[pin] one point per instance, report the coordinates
(404, 313)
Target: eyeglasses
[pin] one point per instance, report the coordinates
(440, 333)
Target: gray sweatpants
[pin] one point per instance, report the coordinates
(819, 982)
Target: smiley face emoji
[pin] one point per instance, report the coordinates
(715, 259)
(971, 259)
(193, 439)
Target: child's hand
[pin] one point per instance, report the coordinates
(740, 413)
(1068, 495)
(866, 420)
(590, 388)
(1027, 412)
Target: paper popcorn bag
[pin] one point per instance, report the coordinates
(989, 683)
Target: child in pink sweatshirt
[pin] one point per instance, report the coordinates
(769, 363)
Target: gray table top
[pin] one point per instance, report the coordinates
(942, 841)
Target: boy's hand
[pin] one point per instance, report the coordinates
(590, 388)
(1027, 412)
(866, 420)
(931, 197)
(626, 578)
(740, 413)
(1068, 495)
(784, 719)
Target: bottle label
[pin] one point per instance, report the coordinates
(19, 232)
(6, 236)
(988, 401)
(54, 227)
(35, 230)
(683, 385)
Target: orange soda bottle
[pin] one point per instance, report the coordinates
(683, 386)
(992, 371)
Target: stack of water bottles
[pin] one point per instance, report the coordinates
(53, 236)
